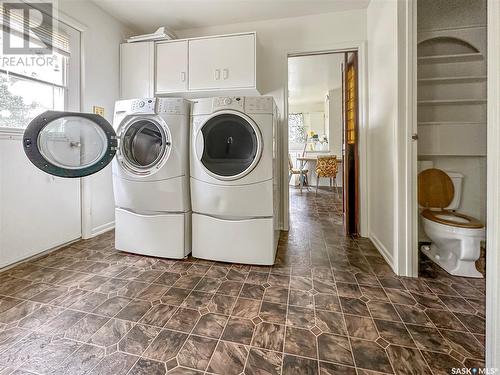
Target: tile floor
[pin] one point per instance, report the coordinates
(330, 305)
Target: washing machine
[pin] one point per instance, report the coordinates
(235, 179)
(148, 148)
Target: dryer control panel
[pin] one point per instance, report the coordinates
(146, 105)
(228, 102)
(173, 106)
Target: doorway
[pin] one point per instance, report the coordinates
(323, 135)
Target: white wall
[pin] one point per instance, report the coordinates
(335, 121)
(279, 37)
(383, 114)
(100, 84)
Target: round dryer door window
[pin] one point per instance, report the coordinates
(144, 144)
(69, 144)
(231, 145)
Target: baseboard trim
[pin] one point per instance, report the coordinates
(382, 250)
(103, 228)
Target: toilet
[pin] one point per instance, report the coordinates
(456, 238)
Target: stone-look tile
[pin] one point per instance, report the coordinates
(293, 365)
(148, 367)
(252, 291)
(361, 327)
(412, 315)
(165, 346)
(134, 311)
(328, 302)
(407, 361)
(239, 330)
(62, 322)
(428, 338)
(196, 352)
(230, 288)
(269, 336)
(175, 296)
(138, 339)
(197, 300)
(263, 362)
(221, 304)
(394, 333)
(301, 298)
(167, 278)
(368, 355)
(474, 323)
(383, 310)
(299, 317)
(159, 315)
(276, 294)
(112, 306)
(18, 312)
(456, 304)
(89, 302)
(210, 325)
(272, 312)
(228, 359)
(111, 332)
(327, 368)
(301, 283)
(348, 290)
(333, 348)
(428, 300)
(354, 306)
(82, 361)
(39, 317)
(153, 292)
(300, 342)
(330, 322)
(84, 329)
(445, 319)
(464, 343)
(116, 363)
(184, 320)
(441, 364)
(374, 293)
(401, 297)
(246, 308)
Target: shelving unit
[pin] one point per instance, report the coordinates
(455, 58)
(465, 79)
(451, 101)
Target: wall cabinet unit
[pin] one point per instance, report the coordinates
(218, 65)
(136, 70)
(222, 62)
(171, 67)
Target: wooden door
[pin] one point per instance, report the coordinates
(350, 145)
(171, 67)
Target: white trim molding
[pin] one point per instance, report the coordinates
(493, 191)
(103, 228)
(382, 249)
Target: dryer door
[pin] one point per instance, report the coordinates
(232, 145)
(69, 144)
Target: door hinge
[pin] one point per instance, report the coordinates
(414, 137)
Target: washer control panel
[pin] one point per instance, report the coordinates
(173, 106)
(259, 104)
(228, 102)
(146, 105)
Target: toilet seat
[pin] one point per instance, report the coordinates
(461, 220)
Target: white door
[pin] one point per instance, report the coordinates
(136, 70)
(171, 67)
(38, 211)
(222, 62)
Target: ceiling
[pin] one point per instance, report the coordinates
(311, 77)
(146, 16)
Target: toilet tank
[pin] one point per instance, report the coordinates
(457, 179)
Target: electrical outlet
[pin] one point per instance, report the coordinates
(99, 110)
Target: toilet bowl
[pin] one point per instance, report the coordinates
(456, 237)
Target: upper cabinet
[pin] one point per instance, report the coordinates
(136, 70)
(218, 65)
(226, 62)
(171, 67)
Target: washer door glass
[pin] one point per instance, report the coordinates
(144, 144)
(230, 145)
(68, 144)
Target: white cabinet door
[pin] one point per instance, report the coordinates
(222, 62)
(136, 70)
(171, 67)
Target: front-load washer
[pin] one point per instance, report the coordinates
(235, 179)
(148, 147)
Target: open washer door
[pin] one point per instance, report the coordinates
(70, 144)
(229, 145)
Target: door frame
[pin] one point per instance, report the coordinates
(361, 48)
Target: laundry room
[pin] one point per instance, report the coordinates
(249, 187)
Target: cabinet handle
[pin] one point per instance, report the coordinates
(217, 74)
(183, 76)
(225, 73)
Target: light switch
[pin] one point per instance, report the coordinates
(99, 110)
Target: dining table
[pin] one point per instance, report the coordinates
(313, 159)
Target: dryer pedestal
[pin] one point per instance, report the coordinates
(164, 235)
(248, 241)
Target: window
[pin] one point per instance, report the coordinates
(32, 84)
(296, 128)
